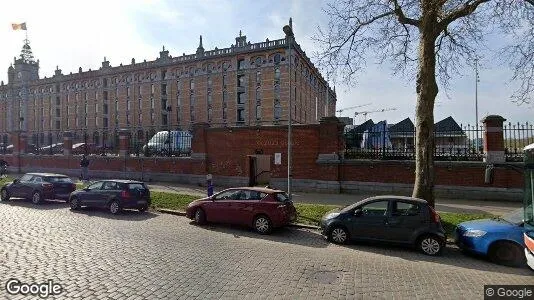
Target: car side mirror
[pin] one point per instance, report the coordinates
(358, 212)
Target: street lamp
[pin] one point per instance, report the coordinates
(477, 80)
(289, 39)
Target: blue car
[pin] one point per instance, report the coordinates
(500, 239)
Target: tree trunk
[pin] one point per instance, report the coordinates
(427, 90)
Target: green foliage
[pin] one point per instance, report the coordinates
(171, 200)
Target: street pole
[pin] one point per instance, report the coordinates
(289, 38)
(476, 103)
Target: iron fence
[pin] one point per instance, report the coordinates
(462, 143)
(516, 137)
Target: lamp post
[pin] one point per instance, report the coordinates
(289, 39)
(477, 80)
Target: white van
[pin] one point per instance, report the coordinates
(169, 143)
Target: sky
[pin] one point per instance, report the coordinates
(73, 34)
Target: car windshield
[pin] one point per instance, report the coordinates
(58, 179)
(515, 217)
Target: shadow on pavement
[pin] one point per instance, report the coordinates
(451, 255)
(125, 215)
(301, 237)
(45, 205)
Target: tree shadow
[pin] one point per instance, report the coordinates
(125, 214)
(287, 235)
(44, 205)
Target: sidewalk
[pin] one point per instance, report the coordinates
(442, 204)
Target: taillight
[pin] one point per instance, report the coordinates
(434, 215)
(125, 194)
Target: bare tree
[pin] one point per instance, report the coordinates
(427, 40)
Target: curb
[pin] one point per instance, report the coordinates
(183, 214)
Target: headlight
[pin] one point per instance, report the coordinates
(474, 233)
(331, 216)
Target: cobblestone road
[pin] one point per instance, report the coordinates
(94, 255)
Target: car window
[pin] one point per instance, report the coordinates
(136, 186)
(110, 185)
(37, 179)
(377, 208)
(26, 178)
(225, 195)
(58, 179)
(95, 186)
(405, 209)
(255, 195)
(282, 197)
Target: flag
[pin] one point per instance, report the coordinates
(21, 26)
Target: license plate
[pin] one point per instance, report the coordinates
(141, 202)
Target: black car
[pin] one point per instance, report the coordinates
(113, 195)
(397, 219)
(38, 187)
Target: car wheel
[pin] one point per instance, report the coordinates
(36, 197)
(262, 224)
(430, 245)
(200, 216)
(339, 235)
(507, 253)
(143, 208)
(74, 203)
(115, 207)
(4, 195)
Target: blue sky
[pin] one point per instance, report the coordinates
(73, 34)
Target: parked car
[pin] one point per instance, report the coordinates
(54, 149)
(83, 148)
(260, 208)
(500, 239)
(39, 187)
(396, 219)
(114, 195)
(169, 143)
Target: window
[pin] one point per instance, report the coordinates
(224, 113)
(277, 109)
(152, 103)
(128, 91)
(276, 91)
(225, 96)
(164, 120)
(192, 84)
(277, 75)
(163, 89)
(105, 108)
(105, 95)
(128, 105)
(96, 108)
(151, 89)
(105, 122)
(209, 99)
(258, 94)
(258, 61)
(241, 80)
(224, 80)
(241, 64)
(163, 74)
(58, 101)
(258, 111)
(140, 117)
(377, 208)
(116, 105)
(277, 58)
(139, 90)
(241, 115)
(241, 98)
(210, 114)
(209, 82)
(258, 77)
(58, 112)
(140, 103)
(404, 209)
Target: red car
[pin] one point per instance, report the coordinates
(260, 208)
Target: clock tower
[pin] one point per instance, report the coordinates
(25, 69)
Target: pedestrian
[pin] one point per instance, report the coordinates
(84, 164)
(3, 167)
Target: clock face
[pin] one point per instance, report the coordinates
(19, 75)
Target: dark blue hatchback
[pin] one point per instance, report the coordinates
(501, 239)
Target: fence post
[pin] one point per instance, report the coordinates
(124, 142)
(67, 143)
(493, 139)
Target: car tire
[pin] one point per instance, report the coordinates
(37, 197)
(262, 224)
(4, 195)
(143, 208)
(430, 244)
(200, 216)
(74, 203)
(507, 253)
(338, 235)
(115, 207)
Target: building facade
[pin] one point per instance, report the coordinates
(246, 84)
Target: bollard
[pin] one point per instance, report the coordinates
(210, 185)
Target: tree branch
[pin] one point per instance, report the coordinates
(464, 11)
(402, 17)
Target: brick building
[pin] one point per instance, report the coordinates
(246, 84)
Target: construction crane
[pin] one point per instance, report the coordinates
(365, 113)
(349, 108)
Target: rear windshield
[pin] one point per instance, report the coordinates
(282, 197)
(136, 186)
(58, 179)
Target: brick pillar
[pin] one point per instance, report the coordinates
(199, 148)
(67, 143)
(493, 139)
(331, 141)
(124, 142)
(18, 138)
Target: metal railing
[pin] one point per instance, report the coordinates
(516, 137)
(461, 144)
